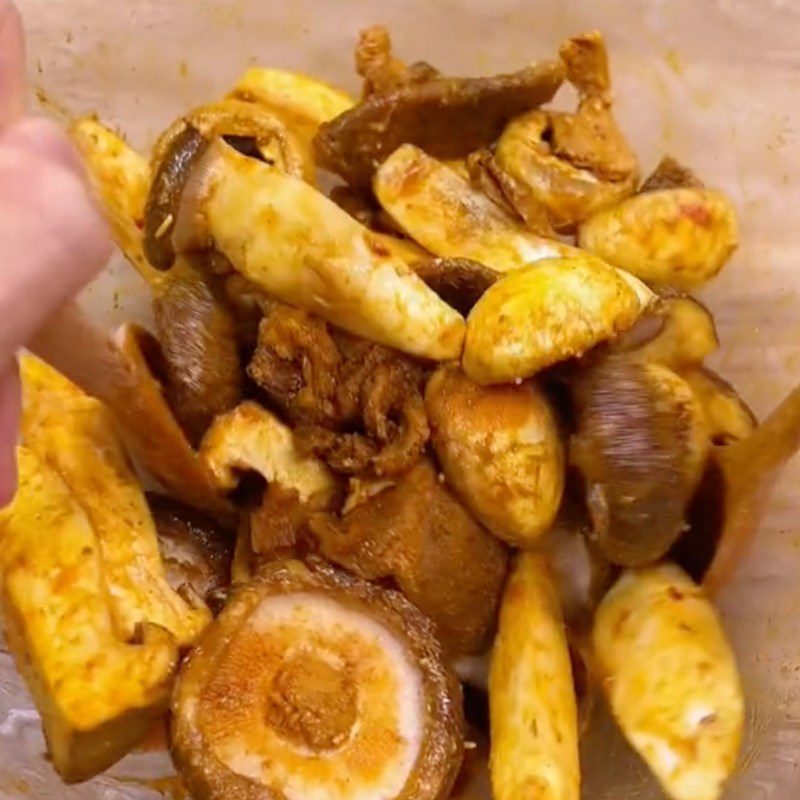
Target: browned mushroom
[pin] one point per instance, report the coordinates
(728, 417)
(460, 282)
(198, 338)
(314, 683)
(416, 533)
(446, 117)
(358, 405)
(670, 174)
(196, 552)
(572, 165)
(250, 127)
(380, 69)
(641, 445)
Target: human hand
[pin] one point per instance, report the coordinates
(52, 237)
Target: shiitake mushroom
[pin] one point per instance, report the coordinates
(679, 332)
(161, 209)
(195, 328)
(198, 337)
(248, 127)
(728, 417)
(500, 450)
(460, 282)
(196, 551)
(641, 445)
(312, 683)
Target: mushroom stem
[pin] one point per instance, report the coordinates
(299, 246)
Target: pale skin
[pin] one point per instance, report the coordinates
(52, 237)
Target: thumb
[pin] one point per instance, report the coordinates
(10, 412)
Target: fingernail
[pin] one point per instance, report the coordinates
(10, 413)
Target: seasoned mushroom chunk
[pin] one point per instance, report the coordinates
(152, 432)
(97, 691)
(446, 117)
(671, 680)
(311, 681)
(417, 533)
(534, 717)
(547, 312)
(196, 552)
(499, 449)
(679, 237)
(357, 405)
(252, 438)
(197, 334)
(641, 445)
(76, 435)
(572, 165)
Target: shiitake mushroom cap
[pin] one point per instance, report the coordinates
(641, 445)
(221, 678)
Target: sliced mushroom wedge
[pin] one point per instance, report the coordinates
(671, 680)
(545, 313)
(301, 247)
(151, 430)
(447, 117)
(680, 237)
(533, 710)
(252, 438)
(202, 372)
(442, 210)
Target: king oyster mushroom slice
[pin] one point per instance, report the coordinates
(299, 246)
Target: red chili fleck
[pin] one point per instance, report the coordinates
(697, 213)
(377, 247)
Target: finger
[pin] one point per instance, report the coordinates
(12, 64)
(43, 139)
(53, 239)
(10, 413)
